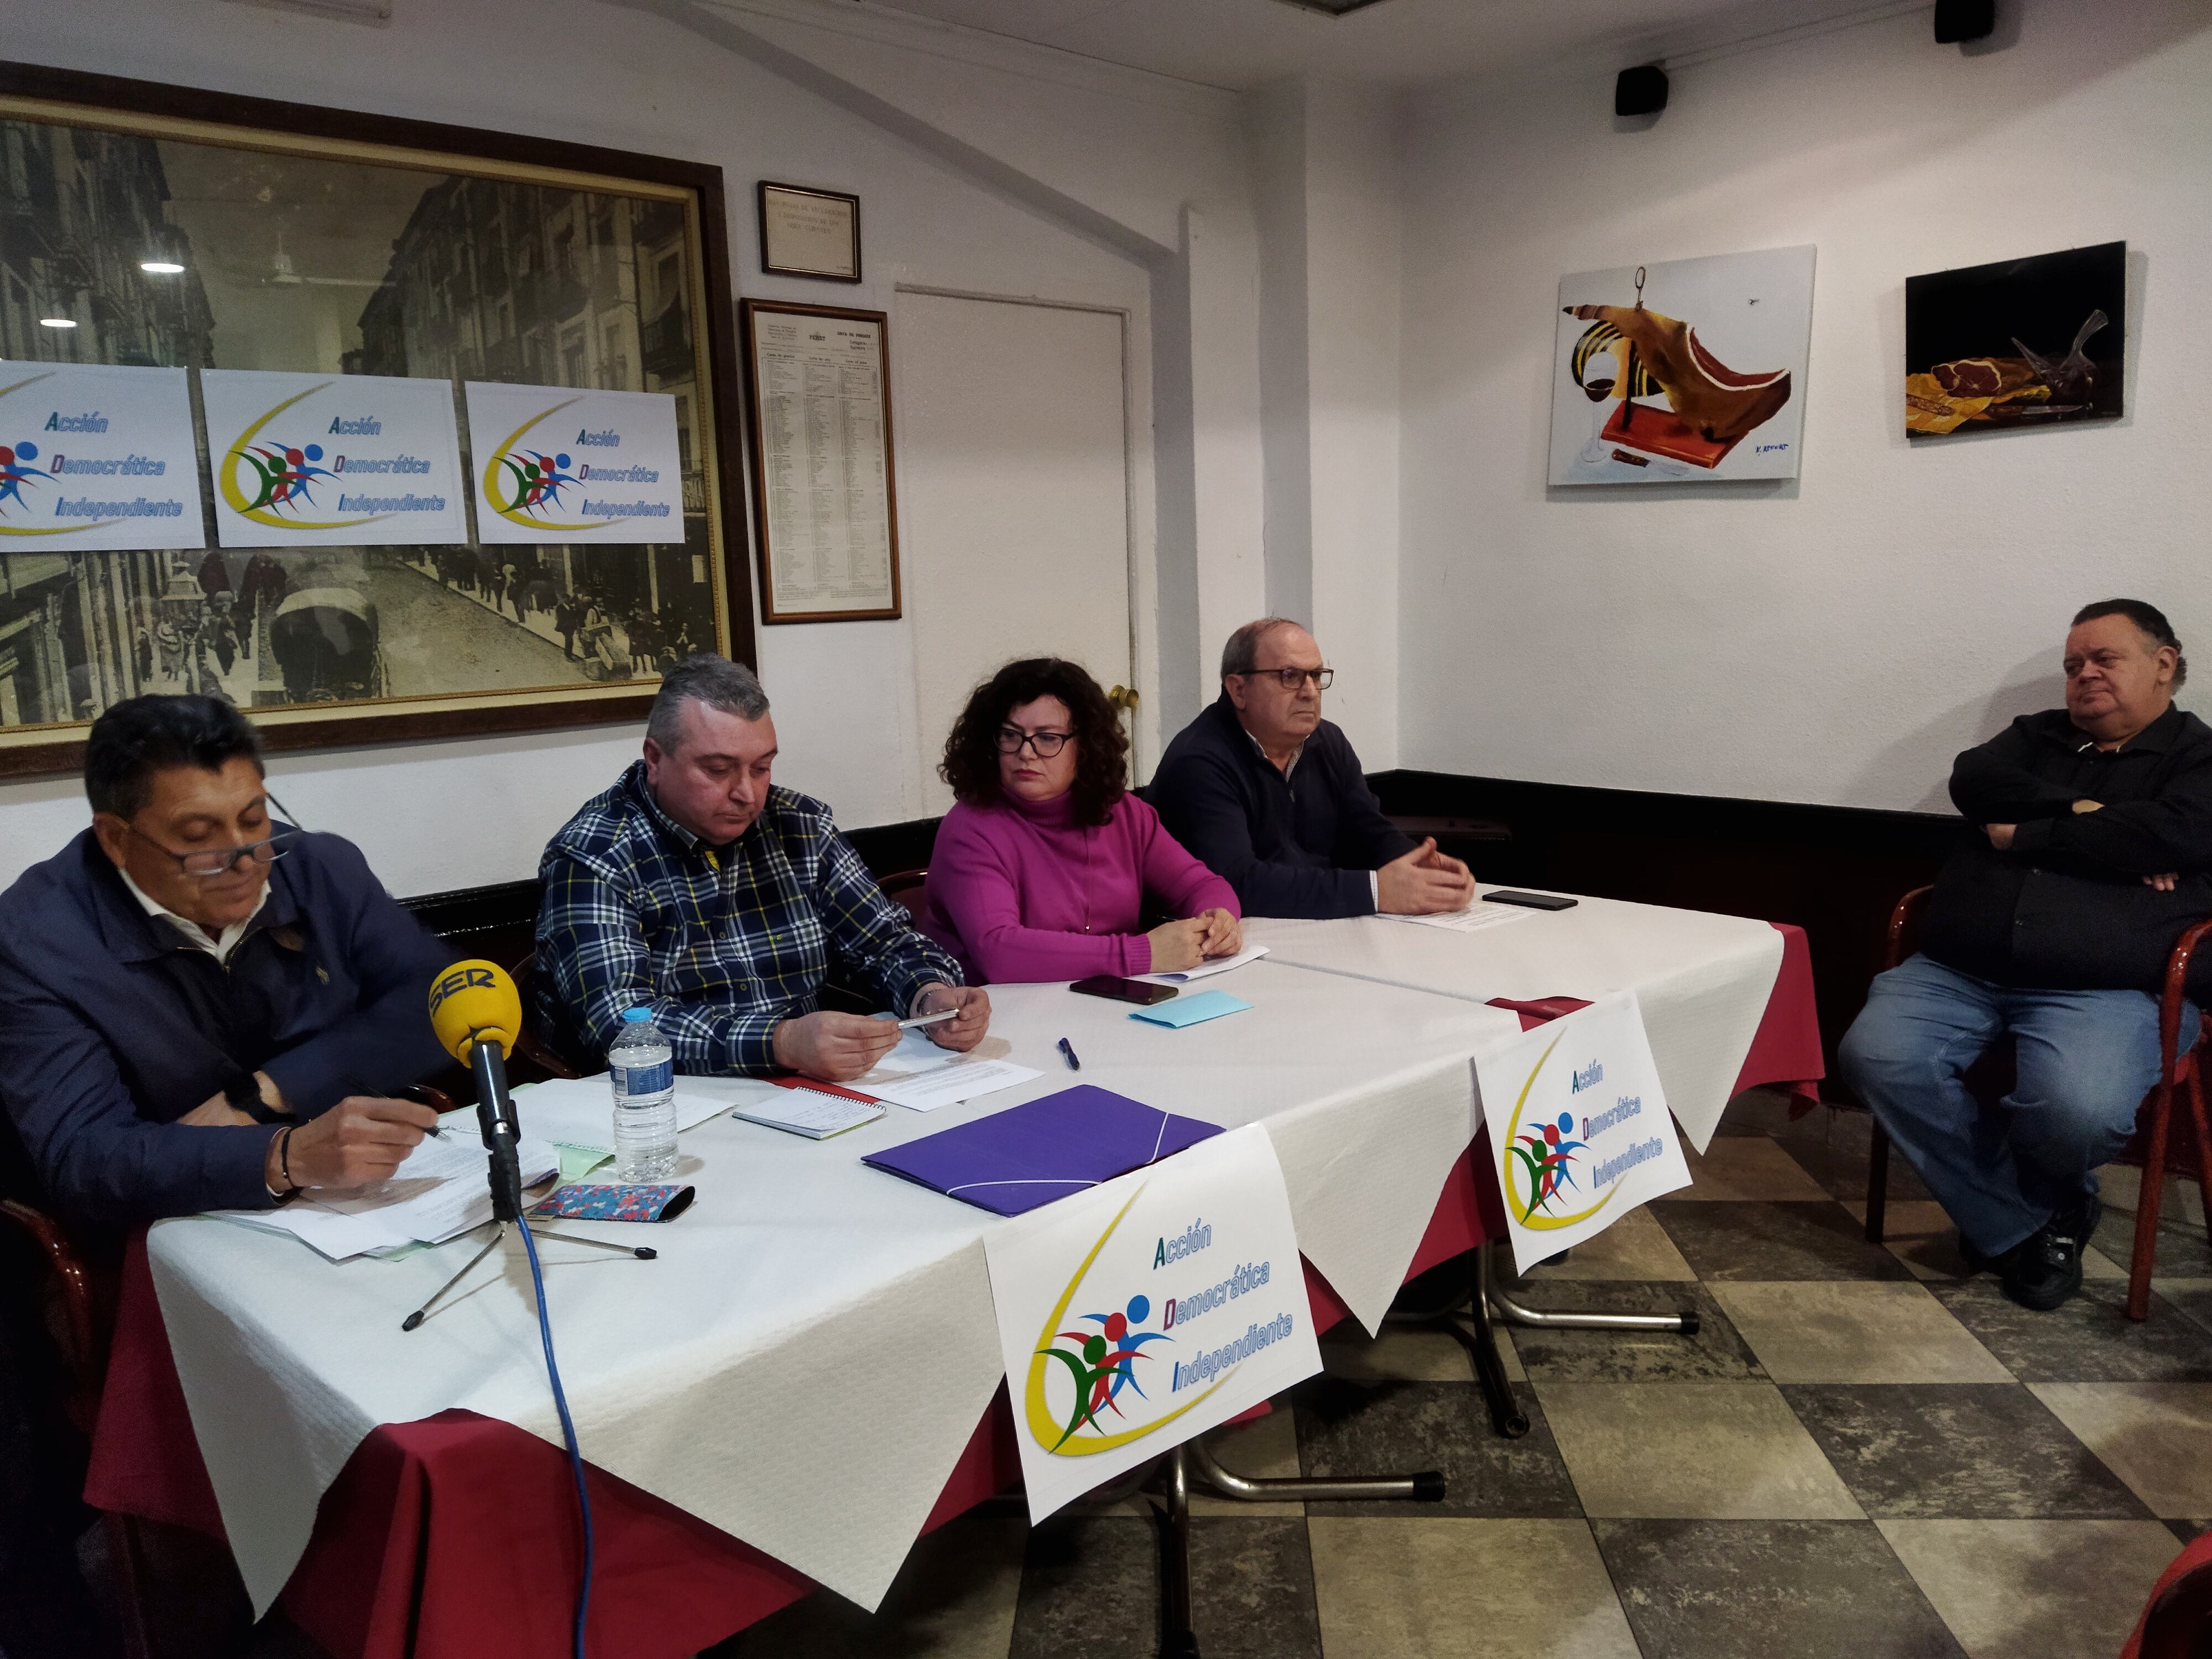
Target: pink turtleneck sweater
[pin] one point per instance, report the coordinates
(1018, 891)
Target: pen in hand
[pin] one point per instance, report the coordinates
(1067, 1052)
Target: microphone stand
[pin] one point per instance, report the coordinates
(500, 1127)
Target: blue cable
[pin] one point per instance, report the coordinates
(567, 1433)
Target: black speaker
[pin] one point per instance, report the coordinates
(1964, 19)
(1640, 91)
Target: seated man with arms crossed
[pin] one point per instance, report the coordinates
(2091, 852)
(698, 889)
(1269, 796)
(205, 1007)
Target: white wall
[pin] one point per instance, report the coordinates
(936, 211)
(1837, 639)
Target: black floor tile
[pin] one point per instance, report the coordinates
(1773, 1240)
(1715, 1354)
(1090, 1590)
(939, 1594)
(2183, 1249)
(2194, 1300)
(1401, 1428)
(2189, 1531)
(1760, 1590)
(1957, 1452)
(1831, 1144)
(2090, 1339)
(1252, 1589)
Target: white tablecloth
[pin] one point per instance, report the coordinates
(1703, 979)
(805, 1362)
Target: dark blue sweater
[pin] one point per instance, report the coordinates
(114, 1026)
(1300, 847)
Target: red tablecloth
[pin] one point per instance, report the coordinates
(458, 1534)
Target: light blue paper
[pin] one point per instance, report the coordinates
(1189, 1010)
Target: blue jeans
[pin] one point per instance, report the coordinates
(2086, 1060)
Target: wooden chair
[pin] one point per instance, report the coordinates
(2156, 1135)
(911, 889)
(531, 1055)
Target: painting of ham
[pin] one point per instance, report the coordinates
(1683, 371)
(2018, 344)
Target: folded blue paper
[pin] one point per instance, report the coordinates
(1192, 1010)
(1031, 1154)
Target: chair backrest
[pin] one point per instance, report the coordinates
(911, 889)
(2178, 1624)
(1905, 928)
(534, 1060)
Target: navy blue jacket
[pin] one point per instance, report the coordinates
(1300, 847)
(111, 1027)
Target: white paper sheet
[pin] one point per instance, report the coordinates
(437, 1192)
(963, 1079)
(1472, 919)
(1207, 969)
(580, 1112)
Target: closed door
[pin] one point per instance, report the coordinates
(1013, 497)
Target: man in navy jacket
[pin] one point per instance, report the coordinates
(1270, 797)
(201, 1007)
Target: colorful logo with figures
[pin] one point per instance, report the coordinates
(273, 482)
(1537, 1166)
(1104, 1366)
(524, 484)
(17, 470)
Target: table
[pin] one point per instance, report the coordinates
(788, 1276)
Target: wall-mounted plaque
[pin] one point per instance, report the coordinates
(810, 233)
(818, 384)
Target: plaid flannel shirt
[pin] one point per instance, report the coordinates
(720, 943)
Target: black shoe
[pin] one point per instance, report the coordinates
(2045, 1270)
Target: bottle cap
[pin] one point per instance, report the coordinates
(636, 1016)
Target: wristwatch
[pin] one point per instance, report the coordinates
(243, 1093)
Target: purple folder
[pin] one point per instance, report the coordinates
(1029, 1155)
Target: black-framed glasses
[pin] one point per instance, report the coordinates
(207, 863)
(1292, 678)
(1046, 744)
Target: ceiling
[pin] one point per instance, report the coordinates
(1242, 43)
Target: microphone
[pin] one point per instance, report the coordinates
(477, 1012)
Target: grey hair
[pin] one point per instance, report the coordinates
(1242, 654)
(715, 681)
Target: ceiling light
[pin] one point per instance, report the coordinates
(161, 267)
(1332, 7)
(57, 322)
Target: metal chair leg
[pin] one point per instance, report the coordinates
(1426, 1487)
(1178, 1639)
(1685, 1323)
(1877, 1198)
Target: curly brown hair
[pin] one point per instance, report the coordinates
(1101, 753)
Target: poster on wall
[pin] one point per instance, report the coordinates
(93, 456)
(556, 464)
(1682, 372)
(354, 460)
(2015, 345)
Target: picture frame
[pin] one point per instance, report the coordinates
(819, 409)
(808, 233)
(288, 238)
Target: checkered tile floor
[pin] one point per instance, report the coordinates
(1864, 1452)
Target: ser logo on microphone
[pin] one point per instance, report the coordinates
(461, 979)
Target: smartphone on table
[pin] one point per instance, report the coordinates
(1529, 901)
(1122, 990)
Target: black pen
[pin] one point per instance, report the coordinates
(1067, 1052)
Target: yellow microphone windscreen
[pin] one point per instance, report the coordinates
(474, 1000)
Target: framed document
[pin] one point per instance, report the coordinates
(818, 390)
(810, 233)
(293, 534)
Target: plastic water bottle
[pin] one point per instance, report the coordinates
(643, 1073)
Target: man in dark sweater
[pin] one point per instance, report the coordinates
(1270, 797)
(2090, 853)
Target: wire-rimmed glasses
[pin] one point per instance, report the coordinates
(207, 863)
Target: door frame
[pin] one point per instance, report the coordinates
(1140, 528)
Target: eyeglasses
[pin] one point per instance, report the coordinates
(210, 862)
(1292, 678)
(1046, 744)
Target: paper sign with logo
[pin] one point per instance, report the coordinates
(1579, 1126)
(358, 460)
(556, 464)
(94, 457)
(1147, 1310)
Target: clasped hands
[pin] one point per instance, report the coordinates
(2001, 836)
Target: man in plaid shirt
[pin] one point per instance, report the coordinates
(695, 888)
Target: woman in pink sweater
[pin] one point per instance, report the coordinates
(1043, 866)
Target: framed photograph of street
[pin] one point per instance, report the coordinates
(810, 233)
(825, 496)
(284, 508)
